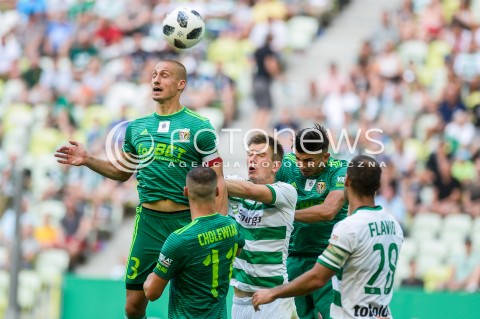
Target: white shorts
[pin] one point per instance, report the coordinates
(282, 308)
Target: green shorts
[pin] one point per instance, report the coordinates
(316, 302)
(150, 233)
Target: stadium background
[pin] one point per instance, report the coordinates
(75, 69)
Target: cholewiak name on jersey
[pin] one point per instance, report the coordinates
(218, 234)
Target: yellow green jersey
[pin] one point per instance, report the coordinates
(167, 147)
(198, 259)
(312, 238)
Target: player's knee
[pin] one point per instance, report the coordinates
(135, 308)
(134, 311)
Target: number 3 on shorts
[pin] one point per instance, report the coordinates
(134, 268)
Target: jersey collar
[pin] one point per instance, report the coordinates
(374, 208)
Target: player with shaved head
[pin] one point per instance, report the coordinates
(198, 256)
(161, 148)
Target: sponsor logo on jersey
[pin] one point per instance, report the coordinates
(144, 132)
(164, 260)
(249, 220)
(234, 208)
(309, 184)
(161, 151)
(371, 311)
(340, 181)
(163, 127)
(184, 135)
(321, 187)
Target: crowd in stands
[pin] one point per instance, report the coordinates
(74, 69)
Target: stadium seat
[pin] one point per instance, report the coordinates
(455, 246)
(426, 263)
(433, 249)
(408, 251)
(29, 287)
(55, 208)
(4, 286)
(427, 222)
(476, 241)
(402, 271)
(3, 256)
(453, 236)
(4, 280)
(435, 276)
(301, 31)
(51, 264)
(476, 225)
(460, 223)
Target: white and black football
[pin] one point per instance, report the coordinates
(183, 28)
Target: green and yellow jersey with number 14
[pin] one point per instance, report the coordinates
(199, 258)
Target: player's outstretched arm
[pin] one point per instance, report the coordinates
(249, 190)
(76, 155)
(325, 211)
(313, 279)
(154, 286)
(221, 202)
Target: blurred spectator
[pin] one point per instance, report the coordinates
(108, 33)
(48, 234)
(82, 50)
(58, 77)
(225, 94)
(385, 33)
(432, 19)
(332, 82)
(390, 199)
(451, 102)
(10, 51)
(75, 229)
(472, 193)
(413, 280)
(58, 34)
(447, 190)
(461, 129)
(267, 68)
(465, 270)
(285, 129)
(30, 246)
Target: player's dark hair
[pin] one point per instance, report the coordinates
(312, 140)
(181, 71)
(364, 174)
(273, 144)
(202, 182)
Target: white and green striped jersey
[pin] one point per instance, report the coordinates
(266, 229)
(363, 250)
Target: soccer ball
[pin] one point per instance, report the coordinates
(183, 28)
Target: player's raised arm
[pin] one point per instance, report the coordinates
(249, 190)
(326, 211)
(221, 202)
(76, 155)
